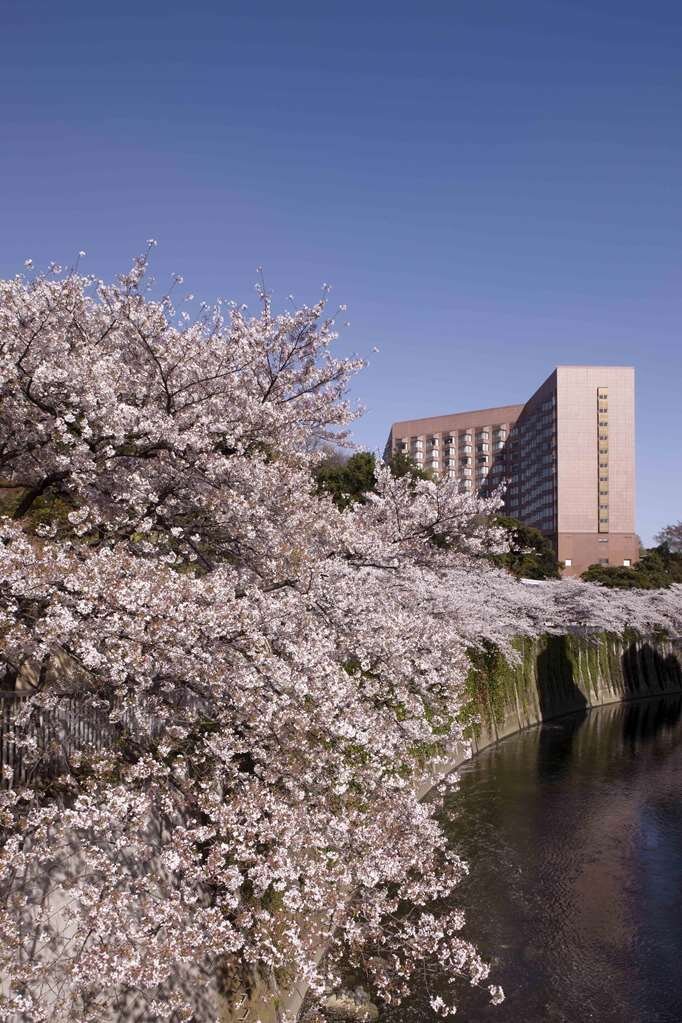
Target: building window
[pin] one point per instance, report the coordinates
(568, 563)
(603, 561)
(627, 562)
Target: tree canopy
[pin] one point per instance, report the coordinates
(349, 480)
(657, 568)
(530, 555)
(671, 537)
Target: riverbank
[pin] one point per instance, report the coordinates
(556, 675)
(573, 829)
(551, 676)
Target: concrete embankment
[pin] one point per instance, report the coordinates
(556, 675)
(550, 676)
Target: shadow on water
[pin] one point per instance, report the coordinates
(644, 720)
(647, 671)
(558, 693)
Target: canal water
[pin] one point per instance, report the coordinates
(573, 831)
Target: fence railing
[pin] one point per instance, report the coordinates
(44, 744)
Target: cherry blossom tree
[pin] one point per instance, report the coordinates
(276, 672)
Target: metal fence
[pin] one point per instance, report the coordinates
(43, 745)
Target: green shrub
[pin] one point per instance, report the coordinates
(658, 568)
(531, 556)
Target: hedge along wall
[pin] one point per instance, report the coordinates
(556, 675)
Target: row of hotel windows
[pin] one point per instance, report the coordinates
(430, 453)
(483, 472)
(466, 438)
(603, 458)
(464, 448)
(499, 435)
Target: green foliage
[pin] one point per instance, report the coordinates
(48, 510)
(617, 577)
(489, 684)
(401, 464)
(671, 537)
(348, 480)
(662, 561)
(658, 568)
(531, 556)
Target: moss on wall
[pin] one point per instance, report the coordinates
(550, 675)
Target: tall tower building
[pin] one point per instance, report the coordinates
(567, 456)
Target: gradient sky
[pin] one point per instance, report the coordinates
(494, 188)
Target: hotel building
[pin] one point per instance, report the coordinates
(567, 456)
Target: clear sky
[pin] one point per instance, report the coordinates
(493, 187)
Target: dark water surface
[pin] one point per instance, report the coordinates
(574, 834)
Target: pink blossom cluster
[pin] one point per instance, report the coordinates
(280, 669)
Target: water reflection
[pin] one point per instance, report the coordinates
(575, 833)
(645, 719)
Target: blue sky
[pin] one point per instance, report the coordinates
(492, 187)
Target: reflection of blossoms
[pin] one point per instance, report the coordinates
(496, 994)
(279, 669)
